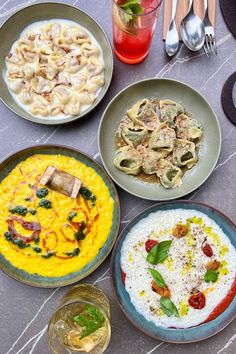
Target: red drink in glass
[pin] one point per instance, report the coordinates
(132, 34)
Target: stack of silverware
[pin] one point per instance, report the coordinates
(196, 33)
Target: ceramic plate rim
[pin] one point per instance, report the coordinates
(61, 121)
(110, 173)
(113, 275)
(102, 258)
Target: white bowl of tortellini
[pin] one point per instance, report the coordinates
(56, 63)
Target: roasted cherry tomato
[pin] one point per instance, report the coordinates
(207, 250)
(149, 244)
(197, 300)
(123, 275)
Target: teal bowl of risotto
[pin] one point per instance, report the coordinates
(173, 271)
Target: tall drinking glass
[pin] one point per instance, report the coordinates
(133, 33)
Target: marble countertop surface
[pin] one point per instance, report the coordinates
(24, 310)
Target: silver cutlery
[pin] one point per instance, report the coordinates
(172, 37)
(192, 30)
(210, 41)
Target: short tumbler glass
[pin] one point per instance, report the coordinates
(132, 34)
(90, 332)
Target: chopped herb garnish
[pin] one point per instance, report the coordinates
(45, 203)
(19, 209)
(71, 215)
(168, 307)
(21, 244)
(87, 194)
(74, 253)
(80, 235)
(42, 192)
(211, 275)
(48, 255)
(37, 249)
(8, 236)
(27, 199)
(157, 277)
(91, 319)
(36, 240)
(17, 242)
(159, 252)
(32, 211)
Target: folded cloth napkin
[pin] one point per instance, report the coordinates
(228, 8)
(228, 98)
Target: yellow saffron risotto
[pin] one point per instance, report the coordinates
(44, 232)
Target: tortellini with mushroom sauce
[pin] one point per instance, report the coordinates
(55, 69)
(157, 138)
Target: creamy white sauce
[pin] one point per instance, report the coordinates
(179, 278)
(36, 28)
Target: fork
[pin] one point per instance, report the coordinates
(210, 41)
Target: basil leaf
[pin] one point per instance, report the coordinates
(211, 275)
(159, 252)
(157, 277)
(168, 307)
(152, 255)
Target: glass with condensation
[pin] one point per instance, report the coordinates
(65, 335)
(132, 34)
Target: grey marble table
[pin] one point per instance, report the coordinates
(25, 311)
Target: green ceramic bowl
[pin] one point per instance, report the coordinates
(194, 103)
(50, 282)
(10, 32)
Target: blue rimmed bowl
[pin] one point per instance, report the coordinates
(50, 282)
(187, 335)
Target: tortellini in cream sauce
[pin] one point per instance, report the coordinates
(158, 138)
(55, 69)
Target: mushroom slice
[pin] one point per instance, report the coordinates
(61, 181)
(170, 176)
(162, 139)
(169, 111)
(142, 113)
(187, 128)
(134, 135)
(128, 160)
(184, 153)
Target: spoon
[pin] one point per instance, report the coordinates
(192, 30)
(172, 37)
